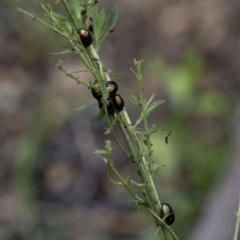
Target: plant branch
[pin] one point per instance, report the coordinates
(138, 148)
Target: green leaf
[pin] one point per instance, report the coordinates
(99, 116)
(117, 75)
(134, 100)
(58, 16)
(47, 9)
(153, 106)
(149, 102)
(100, 152)
(84, 107)
(66, 51)
(148, 107)
(115, 18)
(138, 72)
(71, 16)
(107, 131)
(75, 8)
(101, 24)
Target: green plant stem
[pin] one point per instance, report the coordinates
(135, 147)
(142, 165)
(68, 74)
(164, 226)
(69, 12)
(125, 184)
(237, 222)
(150, 192)
(34, 17)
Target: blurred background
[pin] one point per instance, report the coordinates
(54, 188)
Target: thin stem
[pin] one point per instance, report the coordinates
(125, 184)
(134, 147)
(69, 12)
(120, 144)
(34, 17)
(164, 226)
(237, 222)
(68, 74)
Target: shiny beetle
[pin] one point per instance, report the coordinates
(96, 91)
(87, 20)
(109, 105)
(118, 102)
(167, 214)
(85, 37)
(112, 87)
(89, 24)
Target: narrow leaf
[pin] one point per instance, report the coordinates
(66, 51)
(100, 152)
(134, 100)
(99, 116)
(84, 107)
(115, 18)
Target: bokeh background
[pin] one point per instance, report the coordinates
(52, 187)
